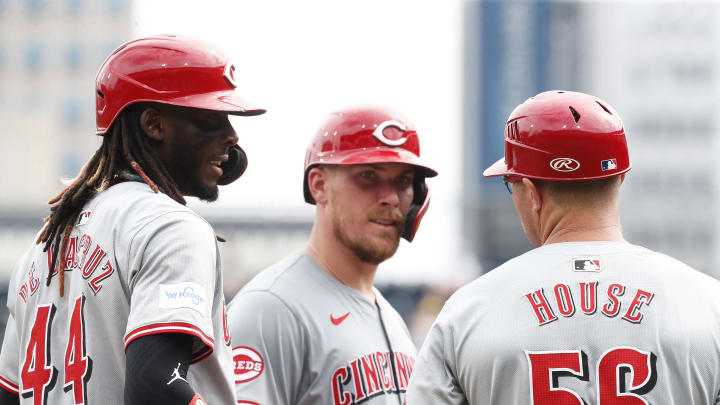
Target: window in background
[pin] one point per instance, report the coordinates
(71, 113)
(116, 6)
(34, 7)
(73, 57)
(75, 7)
(33, 57)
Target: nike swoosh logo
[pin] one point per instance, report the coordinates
(338, 321)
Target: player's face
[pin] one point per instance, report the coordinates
(368, 204)
(199, 143)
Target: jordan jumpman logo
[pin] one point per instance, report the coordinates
(176, 375)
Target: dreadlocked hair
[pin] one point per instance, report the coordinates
(125, 148)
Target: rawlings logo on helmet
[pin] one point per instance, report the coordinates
(378, 133)
(565, 164)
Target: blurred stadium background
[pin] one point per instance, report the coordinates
(456, 68)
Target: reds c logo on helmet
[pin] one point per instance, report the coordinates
(380, 135)
(229, 74)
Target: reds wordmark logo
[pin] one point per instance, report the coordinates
(565, 164)
(249, 365)
(371, 375)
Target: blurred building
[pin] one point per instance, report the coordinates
(659, 67)
(656, 63)
(513, 50)
(50, 52)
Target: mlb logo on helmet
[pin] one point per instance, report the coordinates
(589, 264)
(609, 164)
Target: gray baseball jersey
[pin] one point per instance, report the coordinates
(301, 337)
(604, 323)
(138, 263)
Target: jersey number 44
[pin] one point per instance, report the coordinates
(38, 375)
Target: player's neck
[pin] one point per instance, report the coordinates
(580, 226)
(342, 264)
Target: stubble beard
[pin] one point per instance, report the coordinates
(206, 193)
(363, 248)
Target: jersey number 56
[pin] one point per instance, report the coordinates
(615, 368)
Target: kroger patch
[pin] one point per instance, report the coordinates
(184, 295)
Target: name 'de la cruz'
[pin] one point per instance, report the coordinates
(566, 300)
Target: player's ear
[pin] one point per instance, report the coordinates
(536, 197)
(318, 184)
(153, 123)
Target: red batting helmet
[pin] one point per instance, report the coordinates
(563, 135)
(175, 70)
(371, 135)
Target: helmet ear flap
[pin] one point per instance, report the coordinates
(234, 167)
(418, 207)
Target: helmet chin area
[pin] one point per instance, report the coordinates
(420, 204)
(234, 167)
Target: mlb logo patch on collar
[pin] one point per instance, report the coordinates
(586, 264)
(83, 218)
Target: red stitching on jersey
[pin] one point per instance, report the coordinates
(8, 385)
(178, 327)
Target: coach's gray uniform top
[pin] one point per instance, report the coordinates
(592, 323)
(138, 263)
(301, 337)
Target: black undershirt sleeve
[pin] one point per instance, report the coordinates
(8, 398)
(156, 367)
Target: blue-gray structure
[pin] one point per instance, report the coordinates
(513, 50)
(656, 63)
(50, 52)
